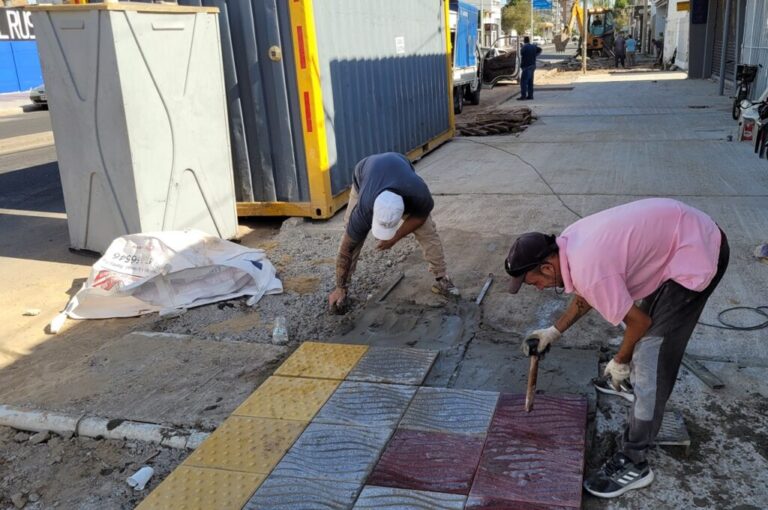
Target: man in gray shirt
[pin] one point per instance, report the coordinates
(386, 190)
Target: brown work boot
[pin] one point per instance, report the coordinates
(445, 287)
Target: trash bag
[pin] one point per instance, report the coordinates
(170, 271)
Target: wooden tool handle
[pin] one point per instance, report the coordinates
(533, 372)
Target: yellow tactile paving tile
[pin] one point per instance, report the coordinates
(322, 361)
(193, 488)
(288, 398)
(253, 445)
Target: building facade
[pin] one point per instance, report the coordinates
(490, 12)
(676, 19)
(716, 32)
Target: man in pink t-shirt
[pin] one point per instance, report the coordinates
(651, 264)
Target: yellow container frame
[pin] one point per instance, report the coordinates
(323, 204)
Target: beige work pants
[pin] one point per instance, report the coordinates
(426, 235)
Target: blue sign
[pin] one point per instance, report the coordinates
(542, 4)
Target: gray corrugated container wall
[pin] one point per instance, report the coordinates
(377, 100)
(383, 86)
(267, 151)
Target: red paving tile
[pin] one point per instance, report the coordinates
(504, 504)
(557, 420)
(532, 460)
(428, 461)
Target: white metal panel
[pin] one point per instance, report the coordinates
(755, 47)
(140, 123)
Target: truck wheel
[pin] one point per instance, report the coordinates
(474, 97)
(458, 100)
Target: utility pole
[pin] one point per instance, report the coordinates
(531, 20)
(585, 36)
(646, 39)
(482, 22)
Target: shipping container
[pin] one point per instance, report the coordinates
(138, 109)
(315, 86)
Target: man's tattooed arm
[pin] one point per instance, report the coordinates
(346, 260)
(577, 308)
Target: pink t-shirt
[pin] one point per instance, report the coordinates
(622, 254)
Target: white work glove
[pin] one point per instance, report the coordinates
(545, 338)
(617, 371)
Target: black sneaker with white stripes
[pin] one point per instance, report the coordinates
(617, 476)
(605, 385)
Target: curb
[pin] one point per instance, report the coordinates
(26, 142)
(19, 110)
(7, 112)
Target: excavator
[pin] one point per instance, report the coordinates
(600, 24)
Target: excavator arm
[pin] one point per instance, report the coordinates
(576, 15)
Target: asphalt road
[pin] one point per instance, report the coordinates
(549, 54)
(30, 180)
(28, 123)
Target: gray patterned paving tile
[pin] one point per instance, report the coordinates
(334, 452)
(291, 493)
(673, 431)
(376, 498)
(393, 365)
(366, 405)
(450, 410)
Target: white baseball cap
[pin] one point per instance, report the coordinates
(387, 212)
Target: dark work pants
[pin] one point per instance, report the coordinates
(526, 82)
(656, 360)
(619, 59)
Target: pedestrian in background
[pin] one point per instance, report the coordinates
(659, 48)
(631, 46)
(619, 50)
(528, 54)
(660, 52)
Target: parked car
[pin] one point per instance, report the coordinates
(37, 95)
(537, 40)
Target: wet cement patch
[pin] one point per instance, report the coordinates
(148, 377)
(500, 365)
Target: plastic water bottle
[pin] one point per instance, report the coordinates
(280, 332)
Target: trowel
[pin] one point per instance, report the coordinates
(533, 372)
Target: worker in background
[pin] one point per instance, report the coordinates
(619, 50)
(661, 251)
(391, 201)
(597, 27)
(658, 47)
(528, 54)
(631, 46)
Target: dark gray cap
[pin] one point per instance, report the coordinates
(527, 252)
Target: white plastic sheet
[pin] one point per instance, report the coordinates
(167, 271)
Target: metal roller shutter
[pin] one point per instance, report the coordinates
(730, 49)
